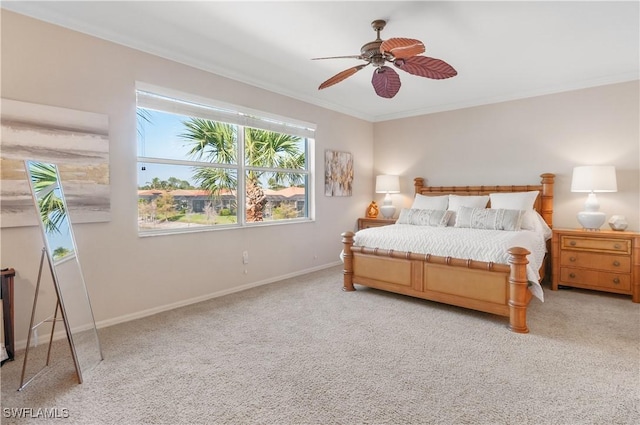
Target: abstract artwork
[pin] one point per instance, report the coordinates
(338, 173)
(76, 141)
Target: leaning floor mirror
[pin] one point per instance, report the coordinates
(62, 254)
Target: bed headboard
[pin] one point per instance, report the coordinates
(543, 204)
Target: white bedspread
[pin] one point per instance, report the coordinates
(465, 243)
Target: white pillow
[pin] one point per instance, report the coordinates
(457, 201)
(472, 201)
(514, 200)
(531, 220)
(489, 218)
(423, 202)
(517, 201)
(436, 218)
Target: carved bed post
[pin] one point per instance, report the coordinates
(347, 258)
(418, 184)
(518, 288)
(546, 208)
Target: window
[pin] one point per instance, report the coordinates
(194, 154)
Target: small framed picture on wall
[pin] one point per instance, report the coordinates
(338, 173)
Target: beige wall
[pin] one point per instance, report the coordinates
(126, 275)
(514, 142)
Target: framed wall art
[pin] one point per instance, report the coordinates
(76, 141)
(338, 173)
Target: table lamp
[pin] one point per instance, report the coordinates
(387, 184)
(591, 179)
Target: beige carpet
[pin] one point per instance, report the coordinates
(301, 351)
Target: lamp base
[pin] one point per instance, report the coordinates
(591, 220)
(387, 211)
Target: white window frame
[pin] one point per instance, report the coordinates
(173, 101)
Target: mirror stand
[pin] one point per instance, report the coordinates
(53, 319)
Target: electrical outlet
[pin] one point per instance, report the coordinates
(245, 257)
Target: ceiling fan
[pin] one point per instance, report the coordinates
(401, 52)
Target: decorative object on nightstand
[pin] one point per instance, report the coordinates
(387, 184)
(372, 210)
(618, 222)
(593, 178)
(603, 261)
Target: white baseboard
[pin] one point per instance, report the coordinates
(21, 345)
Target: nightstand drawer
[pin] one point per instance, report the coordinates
(618, 246)
(370, 224)
(590, 260)
(365, 223)
(594, 278)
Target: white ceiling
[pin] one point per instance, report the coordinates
(501, 50)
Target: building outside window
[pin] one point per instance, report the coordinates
(194, 155)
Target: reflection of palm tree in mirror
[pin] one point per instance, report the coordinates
(216, 142)
(45, 182)
(61, 252)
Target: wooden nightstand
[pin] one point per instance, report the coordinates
(365, 223)
(603, 260)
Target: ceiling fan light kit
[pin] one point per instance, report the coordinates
(403, 53)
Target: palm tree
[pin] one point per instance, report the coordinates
(216, 142)
(45, 181)
(144, 115)
(61, 252)
(155, 183)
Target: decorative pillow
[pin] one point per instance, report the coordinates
(489, 218)
(424, 202)
(473, 201)
(418, 217)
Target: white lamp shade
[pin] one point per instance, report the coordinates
(387, 184)
(594, 178)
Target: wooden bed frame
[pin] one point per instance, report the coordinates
(493, 288)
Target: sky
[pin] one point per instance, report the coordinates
(160, 138)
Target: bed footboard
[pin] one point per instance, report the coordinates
(493, 288)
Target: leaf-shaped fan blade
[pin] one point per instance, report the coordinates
(341, 76)
(426, 67)
(386, 82)
(402, 48)
(340, 57)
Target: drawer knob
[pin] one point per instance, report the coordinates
(572, 259)
(616, 280)
(572, 243)
(617, 246)
(572, 275)
(616, 263)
